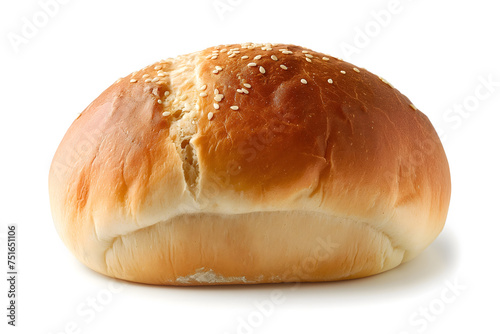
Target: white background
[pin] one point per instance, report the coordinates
(438, 53)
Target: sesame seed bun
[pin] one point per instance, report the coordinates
(250, 163)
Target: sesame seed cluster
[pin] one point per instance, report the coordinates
(156, 76)
(283, 57)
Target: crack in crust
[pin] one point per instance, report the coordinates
(181, 110)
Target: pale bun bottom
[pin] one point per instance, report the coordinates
(259, 247)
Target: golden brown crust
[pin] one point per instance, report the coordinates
(163, 171)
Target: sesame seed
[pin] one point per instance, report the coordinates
(330, 81)
(184, 97)
(244, 57)
(257, 57)
(167, 93)
(218, 97)
(145, 75)
(239, 91)
(216, 91)
(214, 57)
(216, 106)
(343, 72)
(157, 67)
(305, 51)
(218, 68)
(304, 81)
(325, 58)
(243, 90)
(156, 79)
(160, 101)
(223, 50)
(252, 64)
(273, 57)
(355, 69)
(309, 60)
(247, 85)
(287, 52)
(284, 67)
(232, 55)
(269, 49)
(236, 51)
(161, 74)
(386, 82)
(133, 80)
(413, 106)
(308, 55)
(203, 87)
(215, 72)
(166, 113)
(147, 80)
(234, 107)
(262, 70)
(210, 115)
(203, 94)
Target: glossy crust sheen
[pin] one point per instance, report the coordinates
(280, 169)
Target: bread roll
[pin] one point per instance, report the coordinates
(251, 163)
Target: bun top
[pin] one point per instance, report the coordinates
(247, 128)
